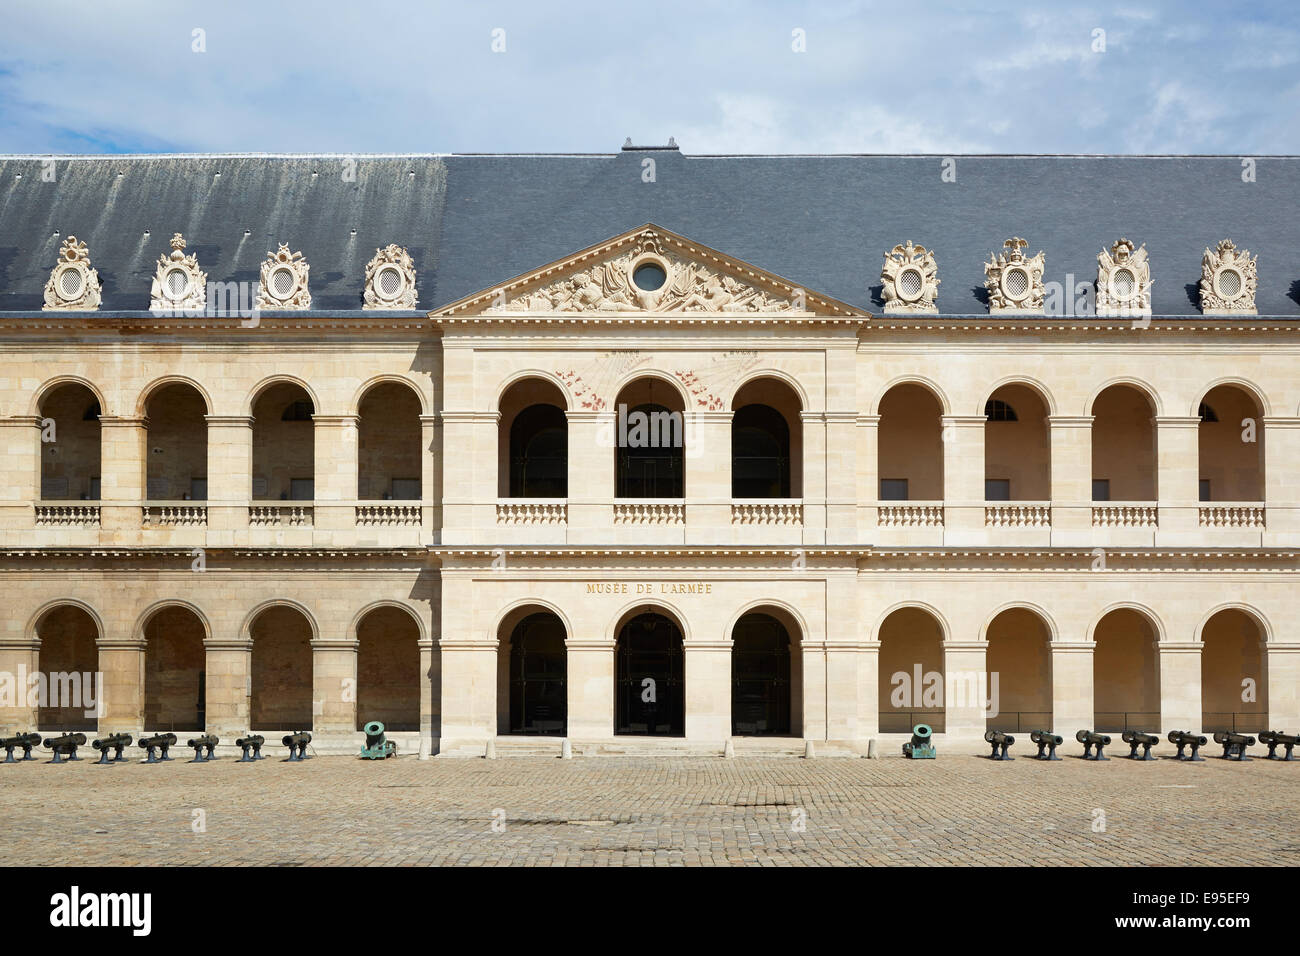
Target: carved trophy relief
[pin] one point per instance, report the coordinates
(179, 285)
(1123, 281)
(1228, 280)
(1015, 281)
(910, 279)
(284, 281)
(73, 284)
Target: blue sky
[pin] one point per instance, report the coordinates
(721, 77)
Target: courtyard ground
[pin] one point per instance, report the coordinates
(783, 811)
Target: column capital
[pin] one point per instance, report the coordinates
(120, 421)
(228, 644)
(120, 643)
(1177, 421)
(589, 415)
(705, 646)
(335, 420)
(1179, 647)
(324, 644)
(229, 421)
(964, 420)
(1070, 421)
(470, 416)
(1077, 647)
(23, 421)
(587, 644)
(965, 645)
(1281, 421)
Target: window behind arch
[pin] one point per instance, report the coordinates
(996, 410)
(651, 453)
(760, 453)
(539, 453)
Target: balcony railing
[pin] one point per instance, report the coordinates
(650, 511)
(1125, 514)
(387, 516)
(532, 511)
(1245, 515)
(1018, 514)
(910, 514)
(280, 516)
(80, 515)
(767, 511)
(173, 515)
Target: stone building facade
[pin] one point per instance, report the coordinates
(547, 464)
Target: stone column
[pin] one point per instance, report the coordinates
(1177, 481)
(122, 469)
(963, 479)
(121, 685)
(1072, 691)
(334, 686)
(590, 683)
(1281, 437)
(966, 685)
(469, 474)
(815, 667)
(708, 479)
(1180, 685)
(840, 464)
(229, 668)
(430, 698)
(335, 470)
(591, 478)
(1071, 478)
(1283, 666)
(869, 689)
(230, 474)
(19, 661)
(469, 692)
(815, 489)
(430, 477)
(844, 718)
(868, 476)
(708, 691)
(20, 470)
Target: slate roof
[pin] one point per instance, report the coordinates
(473, 221)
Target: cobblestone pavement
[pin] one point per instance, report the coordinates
(653, 811)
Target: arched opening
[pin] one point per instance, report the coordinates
(533, 444)
(1123, 445)
(176, 453)
(1230, 442)
(175, 671)
(70, 449)
(68, 664)
(1125, 673)
(650, 441)
(388, 440)
(911, 671)
(1234, 674)
(910, 445)
(766, 672)
(650, 679)
(388, 669)
(766, 441)
(281, 696)
(1019, 667)
(533, 667)
(1017, 449)
(284, 445)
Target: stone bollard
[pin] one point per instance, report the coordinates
(872, 753)
(490, 752)
(728, 749)
(809, 751)
(566, 749)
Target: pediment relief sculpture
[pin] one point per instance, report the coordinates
(179, 285)
(1228, 280)
(73, 284)
(1015, 281)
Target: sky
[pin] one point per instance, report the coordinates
(548, 76)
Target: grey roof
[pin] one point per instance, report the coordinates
(473, 221)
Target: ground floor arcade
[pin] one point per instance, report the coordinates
(648, 649)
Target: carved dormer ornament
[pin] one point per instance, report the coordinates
(390, 279)
(1014, 282)
(910, 279)
(1228, 281)
(1123, 281)
(179, 285)
(73, 284)
(284, 281)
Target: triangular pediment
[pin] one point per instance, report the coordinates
(649, 271)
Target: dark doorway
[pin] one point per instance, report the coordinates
(760, 677)
(539, 453)
(538, 694)
(651, 455)
(650, 688)
(760, 453)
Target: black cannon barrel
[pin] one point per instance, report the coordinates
(157, 740)
(1183, 739)
(65, 744)
(1234, 744)
(1138, 737)
(204, 742)
(297, 743)
(112, 741)
(1274, 739)
(251, 742)
(1090, 739)
(1000, 741)
(1046, 737)
(26, 741)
